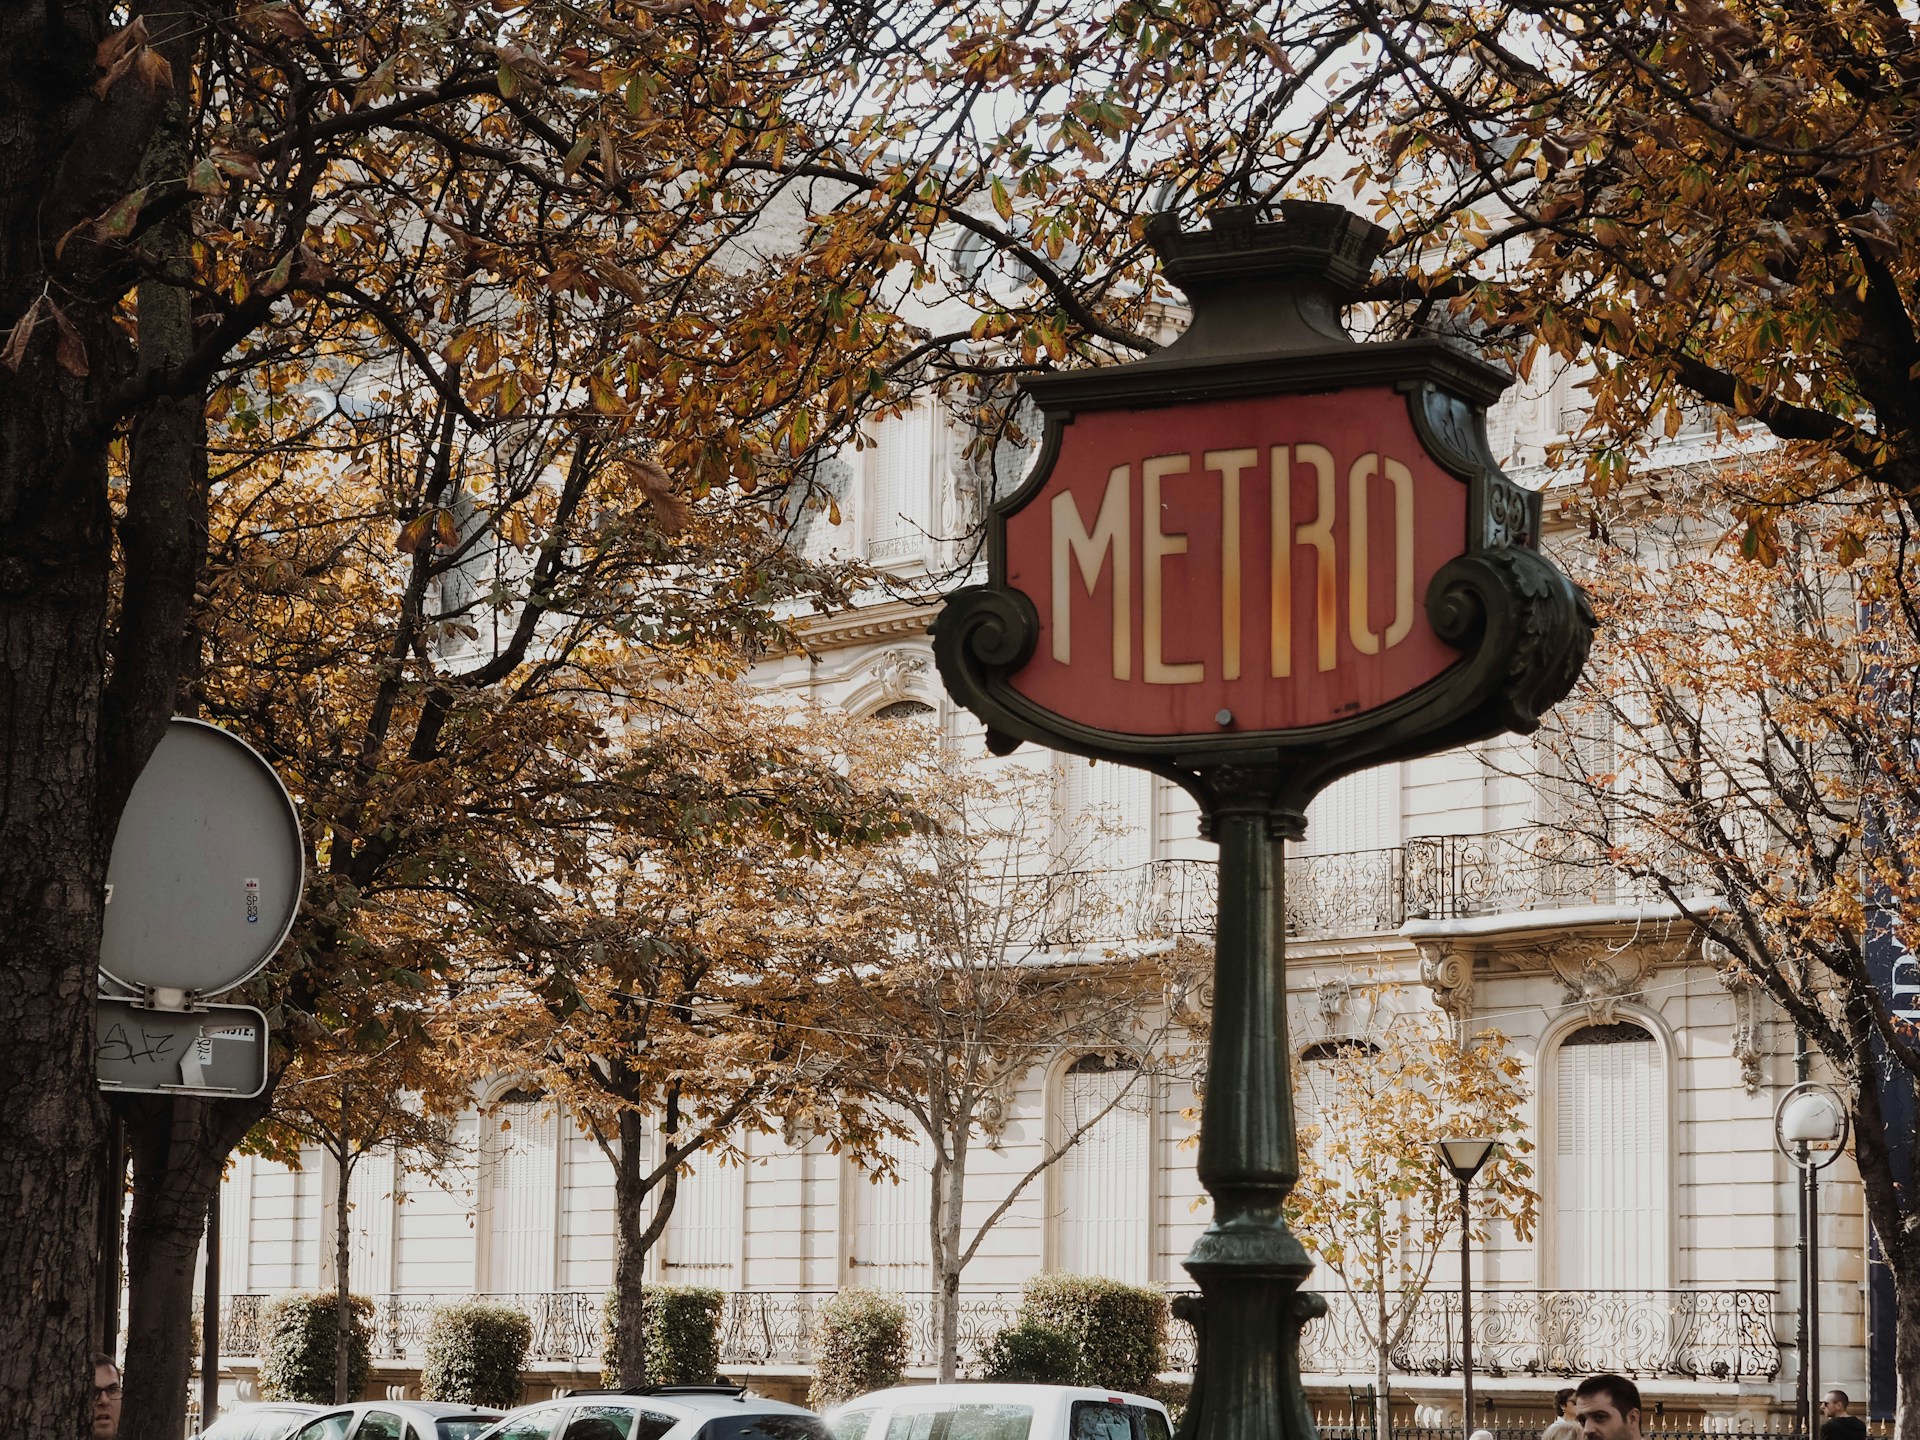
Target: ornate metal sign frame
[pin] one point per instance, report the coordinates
(1267, 299)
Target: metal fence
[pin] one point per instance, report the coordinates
(1355, 892)
(1684, 1334)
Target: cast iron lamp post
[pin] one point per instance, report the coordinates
(1464, 1157)
(1810, 1128)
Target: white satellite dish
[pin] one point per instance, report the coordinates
(207, 867)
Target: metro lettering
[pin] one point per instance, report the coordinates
(1089, 550)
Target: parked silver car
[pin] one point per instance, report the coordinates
(661, 1412)
(399, 1420)
(270, 1420)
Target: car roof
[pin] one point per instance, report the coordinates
(693, 1402)
(975, 1392)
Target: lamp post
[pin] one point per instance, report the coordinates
(1464, 1157)
(1810, 1128)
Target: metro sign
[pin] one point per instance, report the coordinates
(1267, 542)
(1273, 568)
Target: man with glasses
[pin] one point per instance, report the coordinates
(106, 1397)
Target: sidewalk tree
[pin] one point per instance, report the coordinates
(349, 1104)
(1744, 747)
(211, 199)
(968, 954)
(1374, 1203)
(667, 1000)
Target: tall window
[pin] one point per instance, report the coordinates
(1610, 1160)
(891, 1248)
(1104, 1185)
(519, 1188)
(1356, 812)
(1122, 796)
(899, 475)
(702, 1242)
(370, 1194)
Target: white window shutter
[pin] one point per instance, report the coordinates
(1103, 1215)
(703, 1232)
(1610, 1179)
(522, 1188)
(892, 1248)
(899, 468)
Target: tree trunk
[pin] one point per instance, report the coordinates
(1382, 1350)
(66, 759)
(180, 1145)
(949, 1192)
(1906, 1342)
(342, 1266)
(632, 1238)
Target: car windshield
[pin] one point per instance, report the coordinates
(963, 1422)
(462, 1427)
(765, 1427)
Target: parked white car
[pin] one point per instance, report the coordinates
(399, 1420)
(1000, 1412)
(268, 1420)
(661, 1412)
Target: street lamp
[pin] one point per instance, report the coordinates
(1810, 1128)
(1464, 1157)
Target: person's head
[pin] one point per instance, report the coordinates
(1834, 1404)
(106, 1397)
(1608, 1407)
(1563, 1403)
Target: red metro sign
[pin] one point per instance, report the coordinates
(1269, 574)
(1268, 544)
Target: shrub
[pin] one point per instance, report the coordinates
(1116, 1330)
(1031, 1353)
(297, 1347)
(474, 1355)
(859, 1344)
(683, 1334)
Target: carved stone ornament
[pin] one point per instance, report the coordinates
(1748, 1039)
(1267, 555)
(992, 1115)
(1598, 976)
(895, 674)
(1447, 970)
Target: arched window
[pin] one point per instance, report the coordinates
(519, 1188)
(904, 710)
(1609, 1171)
(1103, 1190)
(892, 1248)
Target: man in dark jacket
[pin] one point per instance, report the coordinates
(1836, 1423)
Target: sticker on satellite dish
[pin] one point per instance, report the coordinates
(220, 1050)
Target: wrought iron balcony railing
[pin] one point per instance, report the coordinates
(1684, 1334)
(1356, 892)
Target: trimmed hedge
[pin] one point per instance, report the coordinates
(297, 1347)
(474, 1355)
(859, 1344)
(683, 1334)
(1031, 1353)
(1117, 1331)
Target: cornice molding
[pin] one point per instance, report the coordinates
(844, 629)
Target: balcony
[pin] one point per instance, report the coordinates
(1713, 1335)
(1359, 892)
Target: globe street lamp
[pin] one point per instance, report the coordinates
(1464, 1157)
(1810, 1128)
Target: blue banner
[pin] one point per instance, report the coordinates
(1896, 974)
